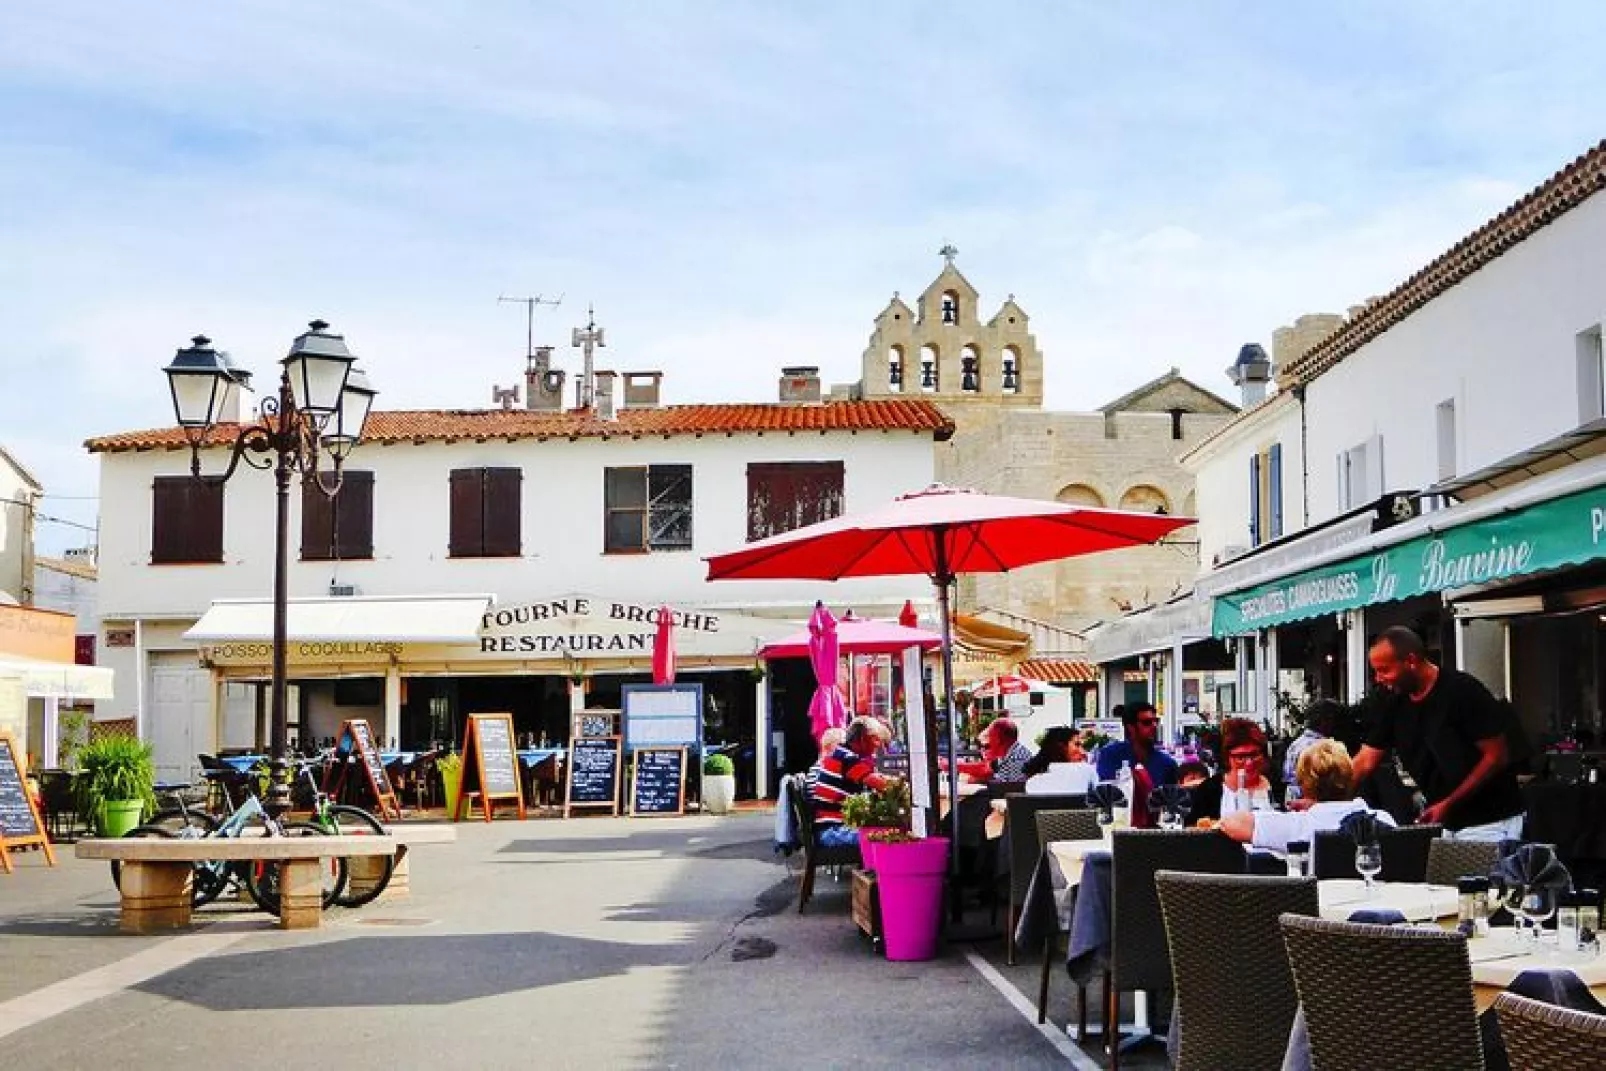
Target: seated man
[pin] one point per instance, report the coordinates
(1004, 757)
(1140, 748)
(1325, 776)
(846, 770)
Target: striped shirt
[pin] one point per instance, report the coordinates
(1012, 767)
(837, 776)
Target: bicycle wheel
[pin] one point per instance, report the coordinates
(177, 821)
(262, 879)
(138, 831)
(347, 821)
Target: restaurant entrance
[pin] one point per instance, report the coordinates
(434, 709)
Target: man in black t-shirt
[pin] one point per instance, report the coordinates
(1449, 734)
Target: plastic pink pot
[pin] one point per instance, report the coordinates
(910, 877)
(867, 847)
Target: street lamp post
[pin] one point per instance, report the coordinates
(310, 426)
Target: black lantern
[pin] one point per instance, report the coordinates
(317, 365)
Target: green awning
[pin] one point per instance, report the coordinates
(1547, 535)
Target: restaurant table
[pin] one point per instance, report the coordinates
(533, 756)
(1414, 901)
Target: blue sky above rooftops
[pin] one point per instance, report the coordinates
(736, 186)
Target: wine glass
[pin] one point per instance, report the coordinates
(1511, 899)
(1537, 904)
(1106, 818)
(1369, 862)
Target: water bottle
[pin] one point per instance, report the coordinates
(1241, 797)
(1124, 781)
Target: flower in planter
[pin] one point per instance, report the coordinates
(883, 808)
(892, 836)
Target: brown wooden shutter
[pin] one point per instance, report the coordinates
(503, 513)
(783, 495)
(186, 520)
(317, 523)
(468, 523)
(353, 535)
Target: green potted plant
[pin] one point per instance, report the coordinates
(117, 785)
(450, 766)
(879, 810)
(719, 784)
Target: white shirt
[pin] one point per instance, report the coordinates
(1274, 829)
(1075, 778)
(1259, 800)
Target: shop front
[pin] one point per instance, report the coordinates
(542, 662)
(1503, 586)
(1166, 655)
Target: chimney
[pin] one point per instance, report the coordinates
(543, 384)
(603, 400)
(1250, 373)
(800, 385)
(641, 389)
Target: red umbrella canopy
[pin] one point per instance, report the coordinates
(942, 532)
(663, 648)
(1009, 684)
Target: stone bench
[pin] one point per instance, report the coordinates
(364, 871)
(157, 875)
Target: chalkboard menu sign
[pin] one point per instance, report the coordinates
(19, 821)
(596, 723)
(593, 774)
(490, 766)
(660, 782)
(356, 742)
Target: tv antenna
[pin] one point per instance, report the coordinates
(529, 304)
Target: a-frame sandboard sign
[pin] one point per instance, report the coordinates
(490, 765)
(19, 818)
(355, 746)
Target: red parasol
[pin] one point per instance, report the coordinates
(663, 648)
(1008, 684)
(940, 533)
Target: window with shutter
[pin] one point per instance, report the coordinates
(647, 509)
(1254, 500)
(1274, 485)
(339, 527)
(784, 495)
(503, 503)
(186, 521)
(487, 513)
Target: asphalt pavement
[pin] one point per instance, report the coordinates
(580, 943)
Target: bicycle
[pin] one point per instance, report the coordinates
(260, 879)
(343, 819)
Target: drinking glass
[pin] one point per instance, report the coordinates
(1511, 899)
(1537, 905)
(1105, 816)
(1369, 862)
(1170, 818)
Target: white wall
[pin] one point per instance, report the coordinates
(17, 497)
(1501, 343)
(55, 590)
(1221, 477)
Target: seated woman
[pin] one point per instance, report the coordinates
(1325, 776)
(1054, 770)
(1243, 778)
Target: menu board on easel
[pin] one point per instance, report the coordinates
(490, 764)
(355, 744)
(593, 774)
(659, 787)
(19, 819)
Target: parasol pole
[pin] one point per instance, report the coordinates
(943, 578)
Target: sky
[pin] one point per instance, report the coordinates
(735, 186)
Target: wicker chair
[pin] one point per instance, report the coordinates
(1024, 849)
(1139, 955)
(1450, 860)
(1053, 826)
(1544, 1037)
(814, 856)
(1382, 996)
(1234, 990)
(1405, 853)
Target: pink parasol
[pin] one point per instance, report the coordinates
(663, 648)
(826, 710)
(855, 636)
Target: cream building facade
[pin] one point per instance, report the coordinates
(988, 373)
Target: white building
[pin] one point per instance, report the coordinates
(480, 560)
(19, 499)
(1447, 478)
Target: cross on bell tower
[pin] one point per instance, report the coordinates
(587, 340)
(948, 252)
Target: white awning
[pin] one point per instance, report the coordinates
(418, 619)
(58, 680)
(1183, 620)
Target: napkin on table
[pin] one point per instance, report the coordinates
(1533, 866)
(1106, 796)
(1170, 798)
(1361, 826)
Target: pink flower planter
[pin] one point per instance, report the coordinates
(910, 877)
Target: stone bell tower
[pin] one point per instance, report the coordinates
(944, 351)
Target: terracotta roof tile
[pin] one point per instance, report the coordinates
(452, 425)
(1552, 199)
(1058, 671)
